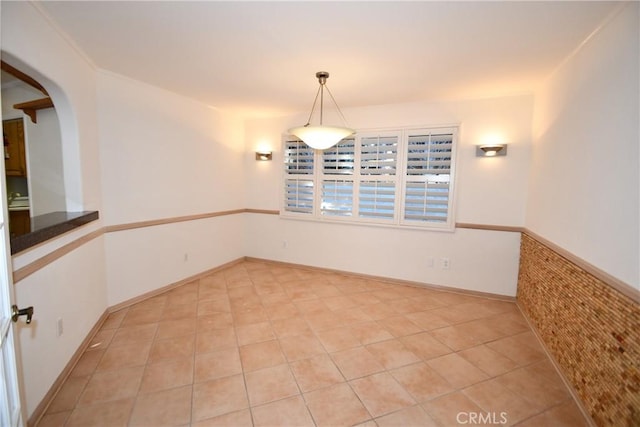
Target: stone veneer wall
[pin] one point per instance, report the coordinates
(591, 329)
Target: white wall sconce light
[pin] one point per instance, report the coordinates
(491, 150)
(264, 156)
(321, 136)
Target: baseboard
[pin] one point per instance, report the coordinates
(572, 391)
(387, 280)
(159, 291)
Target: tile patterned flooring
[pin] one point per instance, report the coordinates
(259, 344)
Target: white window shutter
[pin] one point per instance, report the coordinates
(298, 157)
(378, 155)
(428, 176)
(337, 197)
(298, 195)
(396, 177)
(298, 184)
(339, 159)
(377, 199)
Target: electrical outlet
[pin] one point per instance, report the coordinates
(445, 263)
(59, 327)
(285, 244)
(186, 257)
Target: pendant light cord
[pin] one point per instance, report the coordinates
(337, 108)
(313, 107)
(320, 93)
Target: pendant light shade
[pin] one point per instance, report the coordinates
(321, 137)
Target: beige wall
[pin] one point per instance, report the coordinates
(584, 186)
(488, 191)
(74, 288)
(166, 156)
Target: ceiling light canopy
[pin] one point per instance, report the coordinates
(321, 136)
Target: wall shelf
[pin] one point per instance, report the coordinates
(30, 108)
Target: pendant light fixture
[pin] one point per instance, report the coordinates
(321, 136)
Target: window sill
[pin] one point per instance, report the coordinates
(48, 226)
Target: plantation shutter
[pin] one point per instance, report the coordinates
(339, 159)
(378, 155)
(428, 177)
(298, 185)
(338, 162)
(401, 177)
(377, 199)
(298, 158)
(378, 178)
(298, 195)
(337, 197)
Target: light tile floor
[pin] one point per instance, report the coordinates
(267, 345)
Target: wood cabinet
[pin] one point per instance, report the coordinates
(15, 161)
(19, 222)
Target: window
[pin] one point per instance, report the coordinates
(428, 177)
(298, 187)
(401, 177)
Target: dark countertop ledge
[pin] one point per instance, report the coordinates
(47, 226)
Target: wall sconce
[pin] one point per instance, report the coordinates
(264, 156)
(491, 150)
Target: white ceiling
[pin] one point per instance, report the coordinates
(260, 58)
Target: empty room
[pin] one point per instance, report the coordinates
(329, 213)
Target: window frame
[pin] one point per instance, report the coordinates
(400, 179)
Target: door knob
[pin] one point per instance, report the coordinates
(15, 313)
